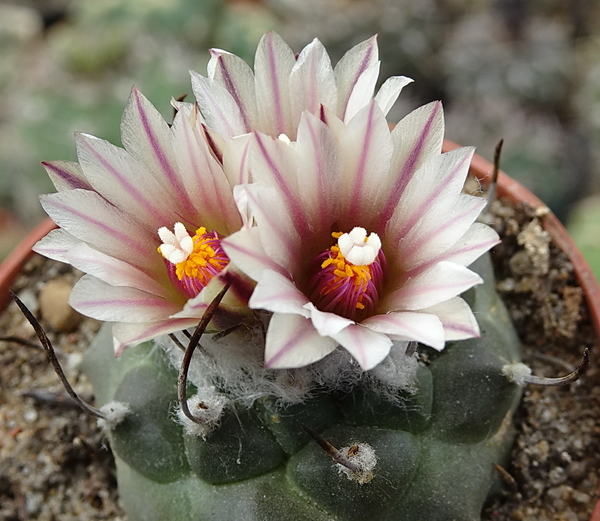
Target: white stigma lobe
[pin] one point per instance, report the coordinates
(176, 247)
(357, 248)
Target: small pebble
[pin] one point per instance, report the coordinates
(557, 476)
(577, 470)
(540, 450)
(30, 415)
(566, 457)
(55, 308)
(33, 502)
(581, 497)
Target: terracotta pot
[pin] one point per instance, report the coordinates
(480, 168)
(11, 266)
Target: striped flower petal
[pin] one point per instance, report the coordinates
(273, 65)
(236, 76)
(292, 341)
(351, 68)
(457, 319)
(234, 100)
(66, 175)
(367, 346)
(312, 82)
(127, 334)
(441, 282)
(103, 301)
(56, 244)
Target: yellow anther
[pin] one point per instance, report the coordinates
(360, 275)
(202, 255)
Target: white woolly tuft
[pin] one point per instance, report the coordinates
(517, 373)
(365, 459)
(114, 413)
(233, 364)
(207, 406)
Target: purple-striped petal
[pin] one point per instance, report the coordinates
(439, 283)
(438, 230)
(236, 159)
(124, 181)
(362, 93)
(273, 164)
(277, 293)
(277, 232)
(327, 324)
(292, 341)
(366, 150)
(56, 244)
(203, 181)
(366, 346)
(320, 169)
(438, 179)
(66, 175)
(351, 67)
(146, 135)
(416, 137)
(273, 65)
(131, 334)
(457, 318)
(312, 82)
(407, 325)
(99, 300)
(218, 107)
(245, 249)
(235, 75)
(114, 271)
(478, 239)
(90, 218)
(389, 92)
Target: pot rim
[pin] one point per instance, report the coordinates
(13, 263)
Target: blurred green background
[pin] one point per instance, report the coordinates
(525, 71)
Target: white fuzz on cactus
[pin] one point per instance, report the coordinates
(517, 373)
(114, 414)
(207, 408)
(362, 456)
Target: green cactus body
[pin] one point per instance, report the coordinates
(435, 452)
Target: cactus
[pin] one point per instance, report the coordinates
(434, 449)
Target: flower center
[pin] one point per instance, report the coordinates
(349, 275)
(191, 261)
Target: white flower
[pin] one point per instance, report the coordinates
(116, 209)
(362, 236)
(234, 100)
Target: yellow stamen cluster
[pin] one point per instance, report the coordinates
(202, 257)
(360, 275)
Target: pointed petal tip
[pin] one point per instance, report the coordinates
(119, 347)
(373, 39)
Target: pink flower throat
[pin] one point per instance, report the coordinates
(346, 289)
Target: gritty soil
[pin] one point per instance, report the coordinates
(55, 463)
